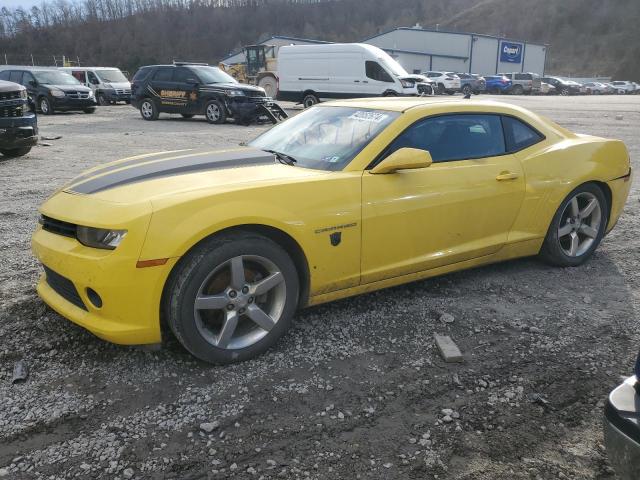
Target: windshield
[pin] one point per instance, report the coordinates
(52, 77)
(113, 75)
(325, 138)
(212, 75)
(395, 68)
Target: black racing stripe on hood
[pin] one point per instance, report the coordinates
(179, 166)
(154, 157)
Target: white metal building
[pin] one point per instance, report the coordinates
(418, 50)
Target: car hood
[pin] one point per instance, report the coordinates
(123, 85)
(69, 88)
(148, 177)
(236, 86)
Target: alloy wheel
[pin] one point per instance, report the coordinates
(147, 109)
(213, 112)
(240, 302)
(579, 224)
(44, 106)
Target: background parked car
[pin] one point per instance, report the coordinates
(471, 83)
(497, 84)
(623, 87)
(563, 87)
(51, 89)
(622, 427)
(109, 85)
(596, 88)
(447, 82)
(523, 83)
(546, 89)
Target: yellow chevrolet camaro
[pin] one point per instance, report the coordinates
(347, 197)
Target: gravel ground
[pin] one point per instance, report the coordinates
(357, 388)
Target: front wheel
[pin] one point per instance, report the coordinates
(15, 152)
(102, 100)
(232, 298)
(45, 106)
(215, 112)
(577, 227)
(148, 110)
(90, 110)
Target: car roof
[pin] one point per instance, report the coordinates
(402, 104)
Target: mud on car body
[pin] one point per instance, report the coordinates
(18, 124)
(193, 89)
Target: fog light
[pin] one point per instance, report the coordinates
(94, 298)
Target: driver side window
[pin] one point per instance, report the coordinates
(375, 71)
(454, 137)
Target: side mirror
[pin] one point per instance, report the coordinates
(403, 159)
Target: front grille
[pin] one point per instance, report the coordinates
(78, 95)
(11, 110)
(10, 95)
(64, 287)
(58, 227)
(121, 91)
(259, 99)
(255, 94)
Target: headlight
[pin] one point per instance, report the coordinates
(99, 237)
(23, 94)
(91, 94)
(108, 85)
(406, 84)
(57, 93)
(235, 93)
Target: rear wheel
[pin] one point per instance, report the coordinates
(565, 92)
(15, 152)
(309, 100)
(577, 227)
(215, 112)
(518, 90)
(148, 109)
(232, 298)
(467, 90)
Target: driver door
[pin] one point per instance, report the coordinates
(460, 207)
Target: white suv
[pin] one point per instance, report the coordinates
(447, 82)
(623, 87)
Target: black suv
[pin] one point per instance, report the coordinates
(18, 124)
(199, 89)
(563, 87)
(52, 89)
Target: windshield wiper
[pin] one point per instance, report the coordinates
(283, 157)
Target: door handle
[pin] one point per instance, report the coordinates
(506, 176)
(357, 81)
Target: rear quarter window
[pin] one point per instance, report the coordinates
(142, 74)
(519, 135)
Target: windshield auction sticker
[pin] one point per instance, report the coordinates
(368, 116)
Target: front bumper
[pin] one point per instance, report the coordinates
(622, 430)
(117, 95)
(17, 132)
(130, 297)
(68, 103)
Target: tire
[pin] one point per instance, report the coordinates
(309, 100)
(441, 89)
(44, 104)
(517, 90)
(15, 152)
(450, 92)
(187, 115)
(90, 110)
(270, 85)
(149, 110)
(215, 112)
(102, 100)
(565, 92)
(206, 271)
(570, 242)
(467, 90)
(389, 93)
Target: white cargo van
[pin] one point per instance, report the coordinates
(108, 83)
(308, 74)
